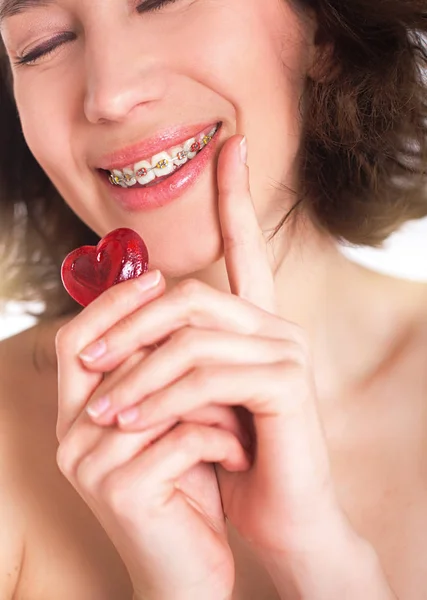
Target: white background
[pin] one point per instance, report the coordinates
(404, 255)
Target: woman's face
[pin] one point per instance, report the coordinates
(124, 71)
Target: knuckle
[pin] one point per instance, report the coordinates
(298, 355)
(64, 460)
(188, 437)
(297, 345)
(117, 297)
(124, 367)
(111, 299)
(119, 397)
(187, 337)
(291, 381)
(301, 337)
(86, 473)
(126, 324)
(62, 339)
(114, 490)
(202, 376)
(190, 291)
(117, 491)
(59, 427)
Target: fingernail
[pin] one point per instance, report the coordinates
(244, 150)
(127, 416)
(98, 407)
(93, 351)
(149, 280)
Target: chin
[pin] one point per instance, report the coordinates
(190, 259)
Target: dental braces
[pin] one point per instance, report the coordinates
(162, 164)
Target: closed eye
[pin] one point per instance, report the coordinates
(44, 50)
(153, 5)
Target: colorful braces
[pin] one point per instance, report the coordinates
(162, 164)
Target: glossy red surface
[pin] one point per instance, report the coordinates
(89, 270)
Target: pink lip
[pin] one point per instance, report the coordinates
(166, 191)
(149, 147)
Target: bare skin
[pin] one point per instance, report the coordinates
(377, 441)
(368, 332)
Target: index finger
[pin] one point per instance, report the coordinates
(245, 249)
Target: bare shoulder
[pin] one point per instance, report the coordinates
(28, 373)
(27, 415)
(12, 385)
(52, 545)
(28, 398)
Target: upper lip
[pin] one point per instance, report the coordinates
(166, 138)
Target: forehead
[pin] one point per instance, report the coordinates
(8, 8)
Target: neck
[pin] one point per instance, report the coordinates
(353, 316)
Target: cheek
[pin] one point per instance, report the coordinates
(48, 130)
(253, 59)
(45, 125)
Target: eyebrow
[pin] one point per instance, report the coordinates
(9, 8)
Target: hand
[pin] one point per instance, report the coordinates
(155, 492)
(230, 350)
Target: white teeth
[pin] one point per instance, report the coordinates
(119, 175)
(187, 147)
(141, 167)
(164, 164)
(175, 152)
(129, 176)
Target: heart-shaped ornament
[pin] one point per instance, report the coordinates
(90, 270)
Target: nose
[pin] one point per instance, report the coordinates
(121, 74)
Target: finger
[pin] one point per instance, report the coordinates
(222, 417)
(114, 376)
(77, 442)
(76, 383)
(245, 249)
(191, 303)
(224, 385)
(82, 425)
(75, 452)
(116, 447)
(81, 422)
(187, 349)
(83, 436)
(160, 467)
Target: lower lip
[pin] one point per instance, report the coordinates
(168, 190)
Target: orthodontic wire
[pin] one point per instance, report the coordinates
(163, 163)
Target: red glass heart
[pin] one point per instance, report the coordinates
(89, 270)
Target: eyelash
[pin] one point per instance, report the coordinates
(31, 57)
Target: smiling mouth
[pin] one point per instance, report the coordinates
(145, 174)
(155, 181)
(137, 185)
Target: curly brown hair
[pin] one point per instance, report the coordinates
(362, 157)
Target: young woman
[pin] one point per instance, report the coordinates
(251, 422)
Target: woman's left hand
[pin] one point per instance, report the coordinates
(233, 349)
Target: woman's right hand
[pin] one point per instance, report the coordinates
(154, 492)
